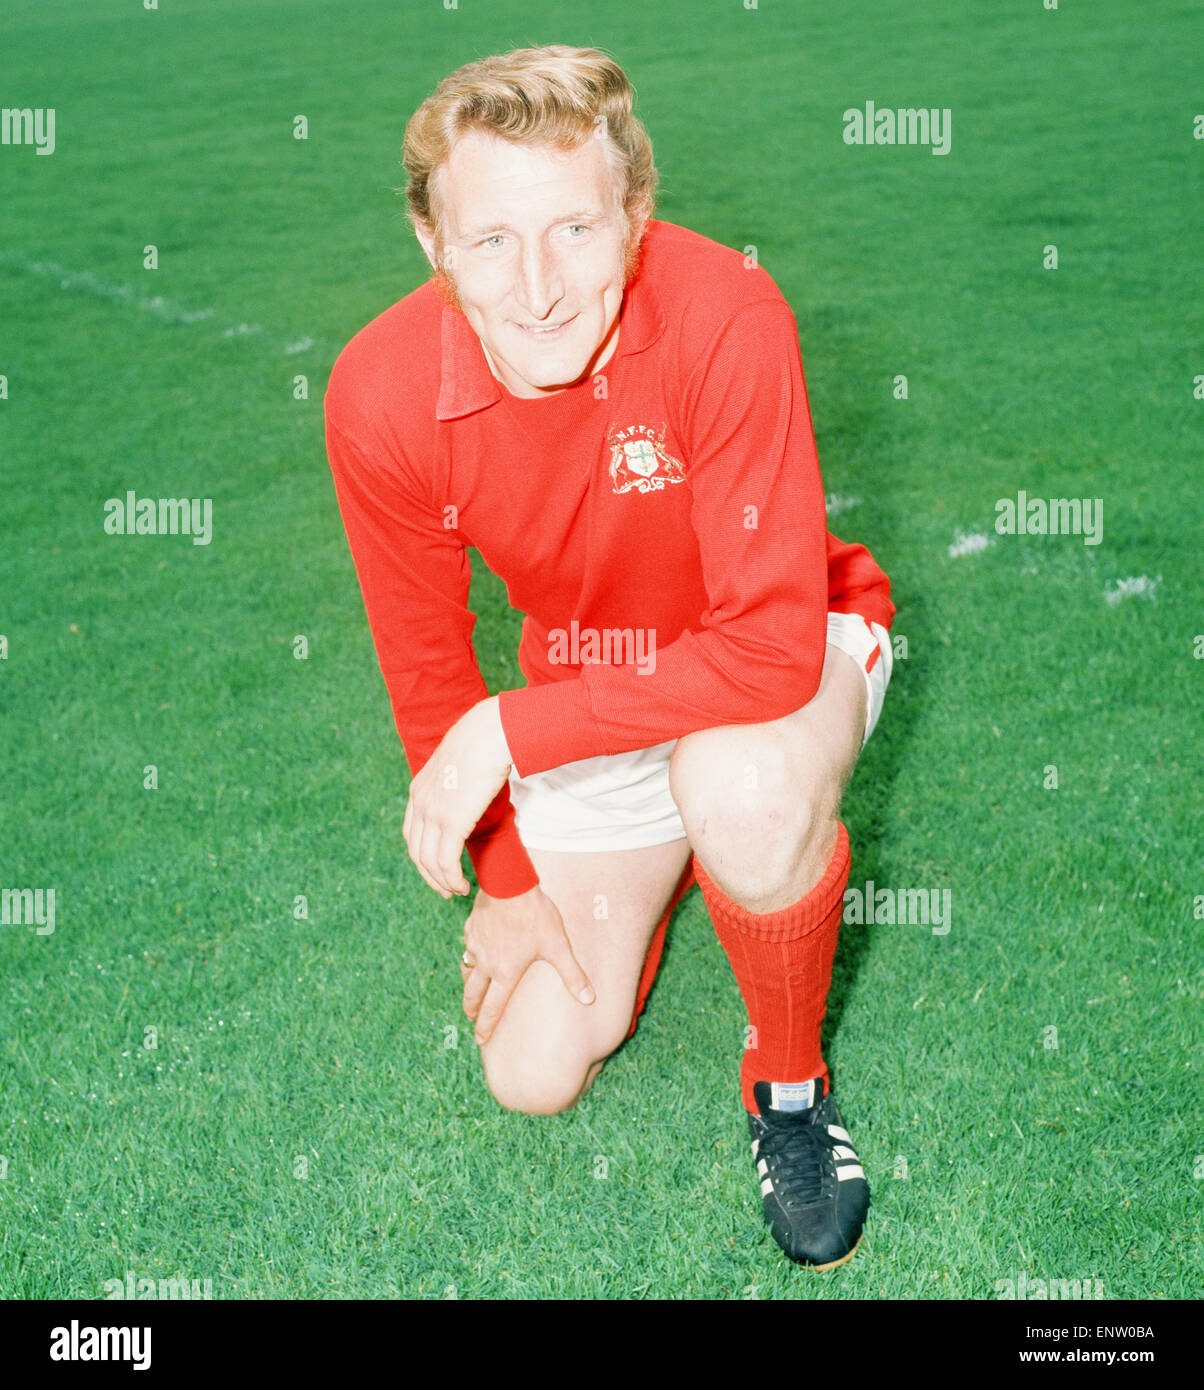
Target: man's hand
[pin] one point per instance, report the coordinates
(451, 793)
(502, 937)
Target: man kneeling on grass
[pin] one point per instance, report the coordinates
(611, 409)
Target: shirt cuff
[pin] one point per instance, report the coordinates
(504, 868)
(549, 725)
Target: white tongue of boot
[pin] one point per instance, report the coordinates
(786, 1096)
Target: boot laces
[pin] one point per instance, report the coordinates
(800, 1158)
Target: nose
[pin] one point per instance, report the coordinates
(540, 282)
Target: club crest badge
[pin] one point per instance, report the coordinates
(639, 459)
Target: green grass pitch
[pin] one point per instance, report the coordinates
(312, 1122)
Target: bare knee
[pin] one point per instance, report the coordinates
(759, 821)
(767, 878)
(540, 1070)
(535, 1086)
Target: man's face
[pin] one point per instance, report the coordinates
(534, 239)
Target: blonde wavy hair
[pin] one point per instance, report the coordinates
(555, 95)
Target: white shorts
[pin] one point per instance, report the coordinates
(622, 800)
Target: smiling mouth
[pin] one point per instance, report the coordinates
(549, 331)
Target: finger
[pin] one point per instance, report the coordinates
(408, 829)
(576, 981)
(476, 985)
(453, 871)
(470, 941)
(426, 878)
(413, 840)
(447, 861)
(496, 999)
(427, 860)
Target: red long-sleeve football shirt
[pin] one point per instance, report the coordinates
(671, 506)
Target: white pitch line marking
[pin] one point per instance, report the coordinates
(970, 543)
(1140, 587)
(84, 282)
(834, 504)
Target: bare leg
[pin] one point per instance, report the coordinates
(548, 1048)
(759, 801)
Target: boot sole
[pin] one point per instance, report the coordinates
(834, 1264)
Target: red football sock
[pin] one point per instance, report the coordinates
(657, 945)
(783, 965)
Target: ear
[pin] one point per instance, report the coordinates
(639, 220)
(426, 239)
